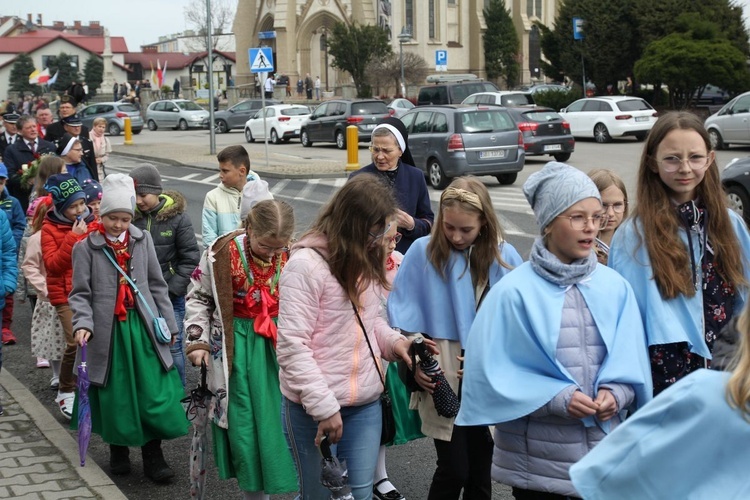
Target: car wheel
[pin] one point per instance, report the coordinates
(340, 140)
(304, 139)
(249, 135)
(286, 139)
(152, 125)
(438, 179)
(601, 134)
(221, 127)
(717, 143)
(136, 132)
(274, 136)
(562, 157)
(183, 125)
(738, 200)
(641, 136)
(113, 129)
(508, 179)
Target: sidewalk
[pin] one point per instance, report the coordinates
(38, 457)
(281, 166)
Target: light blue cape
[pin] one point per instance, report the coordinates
(511, 369)
(674, 320)
(443, 308)
(686, 443)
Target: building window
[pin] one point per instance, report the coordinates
(452, 2)
(409, 15)
(534, 8)
(431, 16)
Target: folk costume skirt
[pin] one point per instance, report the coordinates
(141, 401)
(253, 449)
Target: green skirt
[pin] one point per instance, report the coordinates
(408, 423)
(141, 401)
(254, 449)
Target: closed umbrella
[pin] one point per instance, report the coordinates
(84, 408)
(333, 474)
(197, 412)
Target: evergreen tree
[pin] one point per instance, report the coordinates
(19, 75)
(62, 63)
(353, 47)
(501, 44)
(93, 73)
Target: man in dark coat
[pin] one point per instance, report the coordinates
(77, 92)
(10, 135)
(176, 88)
(26, 149)
(57, 130)
(308, 86)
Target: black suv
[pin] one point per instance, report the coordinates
(329, 121)
(451, 93)
(237, 115)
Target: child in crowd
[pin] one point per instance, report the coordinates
(68, 222)
(93, 192)
(440, 284)
(48, 166)
(615, 205)
(47, 334)
(221, 207)
(102, 148)
(8, 269)
(135, 394)
(557, 353)
(70, 149)
(12, 208)
(164, 215)
(232, 310)
(683, 251)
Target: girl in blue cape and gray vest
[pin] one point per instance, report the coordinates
(557, 352)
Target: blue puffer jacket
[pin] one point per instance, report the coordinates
(8, 259)
(17, 219)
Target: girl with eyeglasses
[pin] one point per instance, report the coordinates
(440, 284)
(230, 323)
(683, 251)
(615, 205)
(557, 352)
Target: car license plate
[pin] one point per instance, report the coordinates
(369, 126)
(641, 118)
(495, 153)
(296, 131)
(553, 147)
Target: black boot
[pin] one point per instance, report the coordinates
(119, 460)
(154, 466)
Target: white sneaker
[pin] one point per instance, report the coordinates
(66, 400)
(54, 382)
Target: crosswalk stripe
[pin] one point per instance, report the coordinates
(279, 186)
(190, 176)
(309, 186)
(210, 179)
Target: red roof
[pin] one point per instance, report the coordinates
(174, 60)
(34, 40)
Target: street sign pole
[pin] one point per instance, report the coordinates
(211, 131)
(261, 62)
(578, 35)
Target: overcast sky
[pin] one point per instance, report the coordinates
(139, 21)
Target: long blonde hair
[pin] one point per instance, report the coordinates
(485, 250)
(738, 387)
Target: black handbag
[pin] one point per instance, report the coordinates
(386, 407)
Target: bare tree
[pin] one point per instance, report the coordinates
(222, 16)
(385, 73)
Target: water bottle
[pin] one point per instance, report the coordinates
(445, 400)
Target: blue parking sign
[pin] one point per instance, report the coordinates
(441, 60)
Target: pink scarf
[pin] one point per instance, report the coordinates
(100, 145)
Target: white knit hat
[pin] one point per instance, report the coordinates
(253, 192)
(118, 194)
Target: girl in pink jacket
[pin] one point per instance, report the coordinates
(329, 380)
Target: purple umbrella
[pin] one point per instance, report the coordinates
(84, 408)
(197, 412)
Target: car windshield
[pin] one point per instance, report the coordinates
(634, 105)
(517, 100)
(542, 116)
(295, 111)
(188, 106)
(490, 120)
(128, 108)
(369, 108)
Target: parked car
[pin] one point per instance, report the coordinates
(731, 124)
(328, 122)
(712, 95)
(115, 114)
(175, 113)
(736, 181)
(453, 140)
(237, 115)
(546, 87)
(507, 98)
(544, 132)
(452, 92)
(400, 106)
(605, 117)
(283, 122)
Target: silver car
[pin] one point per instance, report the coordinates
(454, 140)
(175, 113)
(114, 113)
(731, 124)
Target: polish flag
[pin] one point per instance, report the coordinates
(43, 77)
(159, 74)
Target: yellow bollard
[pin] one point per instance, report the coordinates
(128, 132)
(352, 148)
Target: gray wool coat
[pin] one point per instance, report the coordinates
(92, 298)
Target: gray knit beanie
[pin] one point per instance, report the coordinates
(118, 195)
(147, 179)
(554, 189)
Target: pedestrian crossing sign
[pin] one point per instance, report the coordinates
(261, 60)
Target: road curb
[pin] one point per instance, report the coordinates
(263, 173)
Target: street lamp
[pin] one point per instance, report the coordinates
(403, 37)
